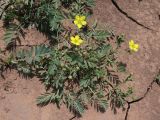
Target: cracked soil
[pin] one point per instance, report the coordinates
(138, 20)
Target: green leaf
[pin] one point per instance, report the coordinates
(120, 40)
(24, 69)
(9, 36)
(79, 108)
(41, 51)
(102, 104)
(52, 69)
(13, 33)
(101, 35)
(57, 3)
(84, 97)
(90, 3)
(74, 105)
(75, 59)
(45, 99)
(55, 19)
(84, 82)
(158, 79)
(99, 73)
(121, 67)
(28, 2)
(129, 78)
(21, 54)
(129, 91)
(91, 65)
(103, 51)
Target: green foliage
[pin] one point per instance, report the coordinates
(76, 76)
(74, 104)
(73, 75)
(129, 78)
(121, 67)
(45, 15)
(13, 34)
(120, 40)
(118, 98)
(101, 35)
(46, 98)
(158, 79)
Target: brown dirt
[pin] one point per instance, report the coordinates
(17, 95)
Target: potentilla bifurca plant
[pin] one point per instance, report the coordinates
(80, 65)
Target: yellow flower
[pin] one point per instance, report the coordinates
(133, 47)
(80, 21)
(76, 40)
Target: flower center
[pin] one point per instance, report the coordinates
(79, 21)
(76, 40)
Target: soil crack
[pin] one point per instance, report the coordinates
(139, 99)
(128, 16)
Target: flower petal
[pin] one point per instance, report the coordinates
(83, 18)
(72, 38)
(72, 41)
(77, 17)
(77, 37)
(79, 26)
(84, 22)
(136, 46)
(131, 42)
(77, 44)
(80, 41)
(75, 22)
(131, 47)
(135, 49)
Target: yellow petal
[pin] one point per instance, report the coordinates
(131, 47)
(84, 22)
(73, 42)
(80, 41)
(83, 18)
(131, 42)
(77, 37)
(79, 26)
(77, 17)
(77, 44)
(135, 49)
(75, 22)
(72, 38)
(136, 46)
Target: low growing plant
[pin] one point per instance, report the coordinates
(80, 66)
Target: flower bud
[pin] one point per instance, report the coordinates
(64, 69)
(62, 64)
(77, 68)
(70, 77)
